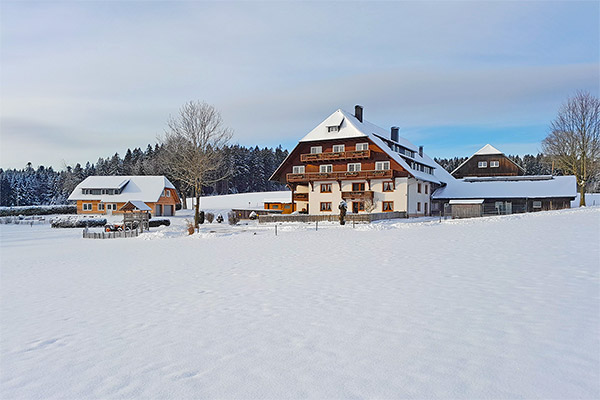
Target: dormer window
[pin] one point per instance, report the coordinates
(494, 164)
(333, 128)
(338, 148)
(482, 164)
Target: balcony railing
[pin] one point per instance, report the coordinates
(358, 195)
(334, 176)
(300, 197)
(341, 155)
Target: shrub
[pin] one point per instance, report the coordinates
(232, 218)
(38, 210)
(154, 222)
(210, 217)
(76, 222)
(190, 227)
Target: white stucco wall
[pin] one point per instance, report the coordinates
(414, 197)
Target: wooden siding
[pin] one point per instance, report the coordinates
(471, 167)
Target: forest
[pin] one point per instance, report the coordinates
(248, 170)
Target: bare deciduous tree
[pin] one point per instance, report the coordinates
(574, 140)
(192, 147)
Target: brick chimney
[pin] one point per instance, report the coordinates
(421, 151)
(358, 112)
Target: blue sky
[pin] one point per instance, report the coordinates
(82, 80)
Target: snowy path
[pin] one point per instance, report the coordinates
(505, 307)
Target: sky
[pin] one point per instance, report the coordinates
(81, 80)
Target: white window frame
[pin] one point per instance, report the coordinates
(362, 146)
(333, 128)
(326, 168)
(537, 204)
(482, 164)
(316, 149)
(494, 164)
(382, 165)
(100, 206)
(298, 169)
(111, 206)
(354, 167)
(87, 206)
(167, 193)
(338, 148)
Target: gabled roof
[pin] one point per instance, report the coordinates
(133, 205)
(533, 186)
(488, 149)
(142, 188)
(350, 127)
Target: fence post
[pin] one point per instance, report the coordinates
(317, 225)
(275, 228)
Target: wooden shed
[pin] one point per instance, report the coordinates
(469, 208)
(136, 213)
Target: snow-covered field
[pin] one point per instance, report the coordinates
(498, 307)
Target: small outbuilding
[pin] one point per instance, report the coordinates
(466, 208)
(136, 213)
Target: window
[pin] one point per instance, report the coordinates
(418, 188)
(425, 208)
(382, 165)
(362, 146)
(482, 164)
(326, 168)
(388, 186)
(358, 187)
(325, 187)
(333, 128)
(326, 206)
(87, 206)
(388, 206)
(537, 204)
(353, 167)
(358, 206)
(298, 169)
(494, 164)
(100, 206)
(274, 206)
(338, 148)
(111, 206)
(426, 189)
(418, 206)
(316, 149)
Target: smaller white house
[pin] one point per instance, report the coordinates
(108, 194)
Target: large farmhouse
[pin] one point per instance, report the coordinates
(346, 158)
(108, 194)
(371, 169)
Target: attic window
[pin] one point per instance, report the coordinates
(494, 164)
(482, 164)
(333, 128)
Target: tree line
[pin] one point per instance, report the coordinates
(246, 169)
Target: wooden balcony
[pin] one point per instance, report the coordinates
(342, 155)
(300, 197)
(358, 195)
(335, 176)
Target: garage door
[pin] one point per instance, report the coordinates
(168, 210)
(158, 210)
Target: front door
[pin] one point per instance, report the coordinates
(357, 206)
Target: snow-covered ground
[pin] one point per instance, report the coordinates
(496, 307)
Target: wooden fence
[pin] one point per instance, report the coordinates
(110, 235)
(331, 217)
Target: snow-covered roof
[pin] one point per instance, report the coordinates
(142, 188)
(287, 199)
(140, 205)
(470, 201)
(509, 187)
(104, 182)
(350, 127)
(488, 149)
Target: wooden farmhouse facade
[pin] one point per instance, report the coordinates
(108, 194)
(488, 161)
(348, 159)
